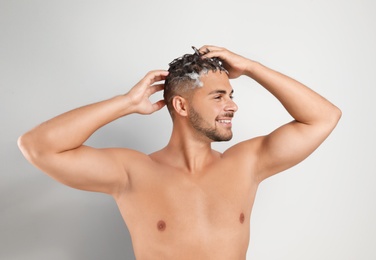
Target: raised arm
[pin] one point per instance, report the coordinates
(56, 146)
(315, 117)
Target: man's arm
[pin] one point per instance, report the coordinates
(315, 117)
(56, 146)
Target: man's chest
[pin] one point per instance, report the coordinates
(216, 200)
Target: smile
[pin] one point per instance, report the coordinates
(224, 121)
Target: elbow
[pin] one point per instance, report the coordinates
(333, 117)
(23, 144)
(27, 147)
(337, 114)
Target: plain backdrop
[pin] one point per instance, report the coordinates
(59, 55)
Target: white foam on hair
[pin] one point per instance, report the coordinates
(196, 77)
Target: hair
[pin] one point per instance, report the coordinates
(184, 75)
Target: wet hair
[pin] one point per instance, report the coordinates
(184, 75)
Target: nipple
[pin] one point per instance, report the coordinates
(241, 218)
(161, 225)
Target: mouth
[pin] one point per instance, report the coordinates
(224, 122)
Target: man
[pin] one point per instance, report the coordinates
(185, 201)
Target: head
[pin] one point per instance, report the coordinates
(197, 91)
(184, 76)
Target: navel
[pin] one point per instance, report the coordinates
(241, 218)
(161, 225)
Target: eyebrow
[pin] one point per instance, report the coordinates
(220, 91)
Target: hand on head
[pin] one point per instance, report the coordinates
(141, 92)
(235, 64)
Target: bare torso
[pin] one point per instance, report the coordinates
(172, 214)
(185, 201)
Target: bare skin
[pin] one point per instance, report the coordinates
(185, 201)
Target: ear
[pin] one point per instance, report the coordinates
(180, 105)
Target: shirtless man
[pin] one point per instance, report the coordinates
(185, 201)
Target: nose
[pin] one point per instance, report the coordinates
(231, 106)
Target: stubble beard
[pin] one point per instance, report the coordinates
(198, 123)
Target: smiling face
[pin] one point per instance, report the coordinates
(211, 107)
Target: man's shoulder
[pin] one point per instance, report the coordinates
(249, 147)
(128, 156)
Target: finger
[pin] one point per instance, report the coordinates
(158, 105)
(157, 72)
(159, 78)
(155, 88)
(215, 54)
(155, 76)
(209, 48)
(210, 51)
(160, 72)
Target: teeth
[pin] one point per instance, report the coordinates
(224, 121)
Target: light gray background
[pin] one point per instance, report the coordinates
(58, 55)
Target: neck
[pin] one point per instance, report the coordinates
(190, 151)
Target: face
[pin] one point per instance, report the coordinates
(212, 108)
